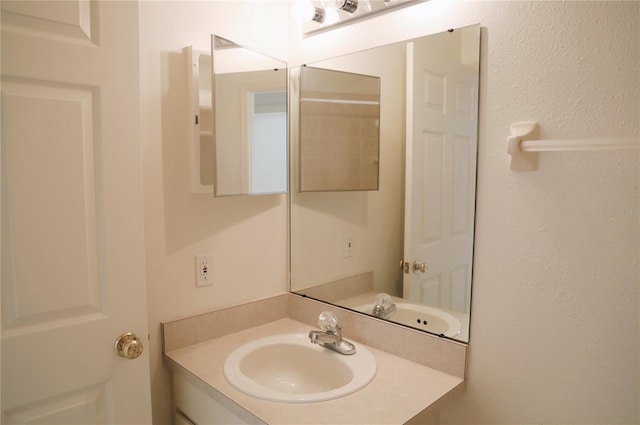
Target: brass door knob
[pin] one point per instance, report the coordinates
(419, 267)
(129, 346)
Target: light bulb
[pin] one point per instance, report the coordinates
(331, 16)
(303, 10)
(365, 6)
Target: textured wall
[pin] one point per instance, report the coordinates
(246, 235)
(555, 335)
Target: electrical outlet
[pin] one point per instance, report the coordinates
(203, 270)
(347, 245)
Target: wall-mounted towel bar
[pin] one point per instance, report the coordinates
(523, 145)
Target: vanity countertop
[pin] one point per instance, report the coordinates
(400, 390)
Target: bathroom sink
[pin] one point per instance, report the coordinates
(423, 317)
(289, 368)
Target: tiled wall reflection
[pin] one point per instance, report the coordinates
(339, 145)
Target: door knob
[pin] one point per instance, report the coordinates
(419, 267)
(129, 346)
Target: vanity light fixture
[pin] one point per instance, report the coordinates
(320, 15)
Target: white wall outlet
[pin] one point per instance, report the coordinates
(347, 245)
(203, 270)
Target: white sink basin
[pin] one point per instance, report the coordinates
(289, 368)
(421, 317)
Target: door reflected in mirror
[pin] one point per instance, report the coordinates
(249, 100)
(403, 253)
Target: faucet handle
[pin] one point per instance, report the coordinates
(328, 321)
(384, 300)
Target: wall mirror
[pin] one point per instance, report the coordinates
(249, 101)
(402, 253)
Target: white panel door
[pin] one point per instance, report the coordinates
(72, 220)
(440, 180)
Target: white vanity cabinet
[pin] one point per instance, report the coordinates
(416, 374)
(194, 406)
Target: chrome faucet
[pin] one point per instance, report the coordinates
(383, 307)
(331, 336)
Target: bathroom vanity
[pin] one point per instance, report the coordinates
(403, 390)
(346, 237)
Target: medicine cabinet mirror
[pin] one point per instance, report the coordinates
(404, 252)
(339, 133)
(249, 102)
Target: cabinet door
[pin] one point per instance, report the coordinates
(207, 408)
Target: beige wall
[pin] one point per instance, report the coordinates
(247, 236)
(554, 337)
